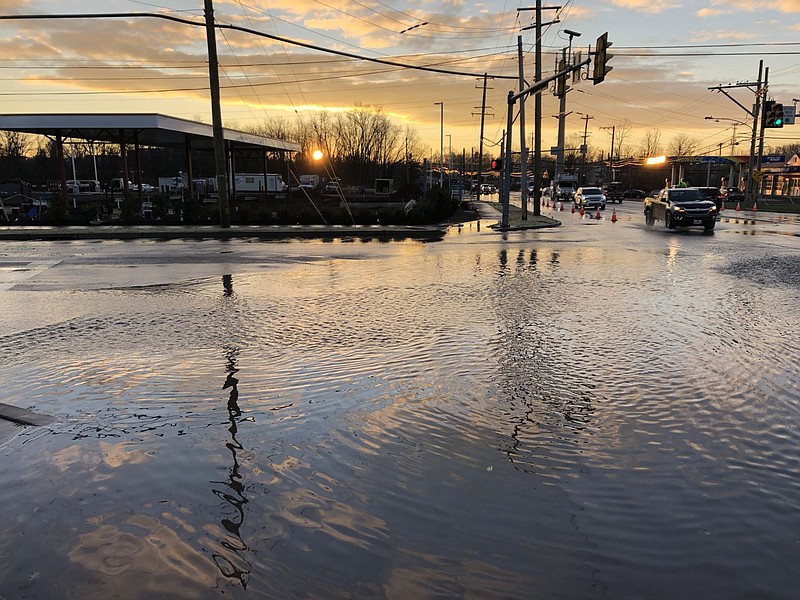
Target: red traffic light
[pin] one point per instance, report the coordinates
(497, 164)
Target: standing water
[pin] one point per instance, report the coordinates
(530, 417)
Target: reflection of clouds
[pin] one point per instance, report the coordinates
(112, 455)
(451, 578)
(147, 556)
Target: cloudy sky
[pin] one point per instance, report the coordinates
(667, 53)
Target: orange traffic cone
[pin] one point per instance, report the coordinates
(738, 207)
(614, 216)
(547, 204)
(598, 216)
(560, 206)
(573, 209)
(755, 206)
(583, 210)
(722, 206)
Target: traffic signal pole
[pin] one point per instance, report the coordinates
(761, 136)
(512, 99)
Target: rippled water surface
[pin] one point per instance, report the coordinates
(543, 416)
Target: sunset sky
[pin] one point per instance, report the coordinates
(667, 53)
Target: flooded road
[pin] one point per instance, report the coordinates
(601, 410)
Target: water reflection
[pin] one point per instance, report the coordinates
(227, 285)
(233, 564)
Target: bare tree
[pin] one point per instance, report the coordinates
(651, 143)
(14, 144)
(682, 145)
(622, 133)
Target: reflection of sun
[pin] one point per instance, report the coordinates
(317, 154)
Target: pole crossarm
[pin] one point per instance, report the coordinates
(722, 88)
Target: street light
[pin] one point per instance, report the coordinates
(441, 143)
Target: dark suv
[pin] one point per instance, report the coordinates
(681, 207)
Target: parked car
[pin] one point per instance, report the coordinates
(331, 188)
(488, 188)
(590, 197)
(681, 207)
(635, 194)
(146, 188)
(732, 194)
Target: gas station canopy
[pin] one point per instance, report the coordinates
(145, 129)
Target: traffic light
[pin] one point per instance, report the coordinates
(601, 58)
(773, 114)
(497, 164)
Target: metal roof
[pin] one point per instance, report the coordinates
(149, 129)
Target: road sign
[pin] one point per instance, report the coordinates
(789, 114)
(773, 158)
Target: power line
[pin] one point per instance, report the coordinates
(253, 32)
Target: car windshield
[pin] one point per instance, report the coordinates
(685, 195)
(591, 191)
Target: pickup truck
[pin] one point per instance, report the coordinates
(614, 193)
(681, 207)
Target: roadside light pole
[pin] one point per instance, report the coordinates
(613, 130)
(441, 143)
(216, 119)
(449, 159)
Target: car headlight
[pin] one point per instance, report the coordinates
(678, 209)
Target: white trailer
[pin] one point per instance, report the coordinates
(310, 182)
(254, 182)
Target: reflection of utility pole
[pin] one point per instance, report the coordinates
(613, 129)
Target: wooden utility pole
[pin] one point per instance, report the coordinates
(523, 151)
(480, 143)
(216, 119)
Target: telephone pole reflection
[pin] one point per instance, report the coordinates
(233, 564)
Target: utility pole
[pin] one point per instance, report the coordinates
(512, 98)
(584, 147)
(763, 121)
(480, 143)
(216, 118)
(537, 103)
(748, 194)
(760, 93)
(523, 151)
(537, 116)
(562, 87)
(561, 92)
(441, 144)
